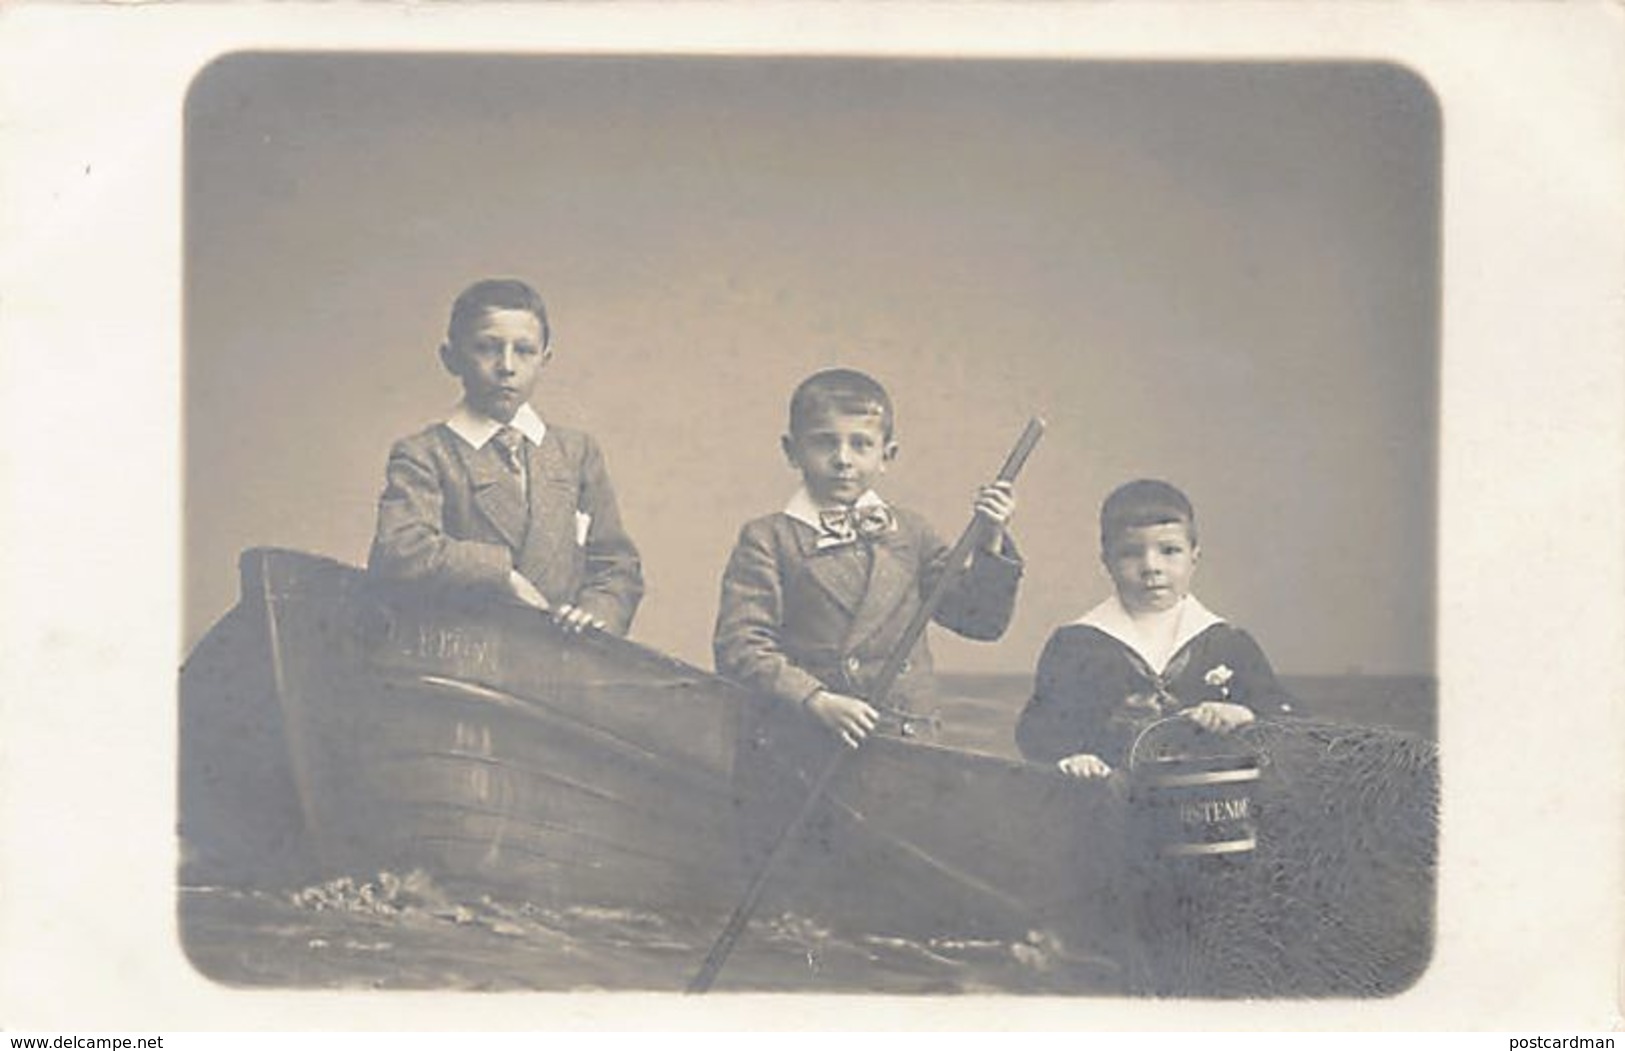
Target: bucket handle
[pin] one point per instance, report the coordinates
(1134, 749)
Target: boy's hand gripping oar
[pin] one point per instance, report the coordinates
(958, 557)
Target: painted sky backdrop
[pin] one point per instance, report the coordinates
(1225, 275)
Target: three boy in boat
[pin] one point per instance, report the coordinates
(815, 596)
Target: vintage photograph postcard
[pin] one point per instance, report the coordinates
(893, 518)
(1218, 277)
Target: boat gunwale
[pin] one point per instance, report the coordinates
(506, 617)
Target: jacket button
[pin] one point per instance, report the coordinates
(904, 670)
(853, 664)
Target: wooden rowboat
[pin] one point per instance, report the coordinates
(333, 725)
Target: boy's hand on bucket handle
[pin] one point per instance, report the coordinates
(996, 502)
(1085, 765)
(848, 718)
(1219, 717)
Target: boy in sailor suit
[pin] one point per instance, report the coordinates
(1150, 651)
(816, 597)
(493, 499)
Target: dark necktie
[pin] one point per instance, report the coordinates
(510, 445)
(507, 499)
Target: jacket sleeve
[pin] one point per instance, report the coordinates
(612, 583)
(410, 542)
(980, 603)
(1062, 718)
(748, 642)
(1255, 684)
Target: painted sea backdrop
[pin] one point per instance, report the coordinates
(401, 930)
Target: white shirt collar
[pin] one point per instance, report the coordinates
(803, 508)
(1111, 618)
(477, 428)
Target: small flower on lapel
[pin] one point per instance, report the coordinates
(1219, 676)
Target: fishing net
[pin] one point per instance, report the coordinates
(1337, 897)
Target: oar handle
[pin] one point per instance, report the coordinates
(1023, 448)
(723, 946)
(952, 567)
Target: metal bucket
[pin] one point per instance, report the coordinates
(1192, 794)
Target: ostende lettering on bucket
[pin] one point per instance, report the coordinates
(1214, 811)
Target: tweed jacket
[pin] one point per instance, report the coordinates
(440, 520)
(794, 619)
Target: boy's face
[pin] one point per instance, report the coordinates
(499, 360)
(1151, 566)
(839, 455)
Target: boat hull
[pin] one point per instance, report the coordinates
(333, 725)
(484, 745)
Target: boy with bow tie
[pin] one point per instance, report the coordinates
(815, 597)
(495, 500)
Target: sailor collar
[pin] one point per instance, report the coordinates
(476, 428)
(1111, 618)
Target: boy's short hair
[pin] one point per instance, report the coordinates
(1145, 502)
(495, 293)
(846, 391)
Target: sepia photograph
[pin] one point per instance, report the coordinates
(812, 516)
(691, 686)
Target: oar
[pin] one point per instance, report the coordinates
(955, 565)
